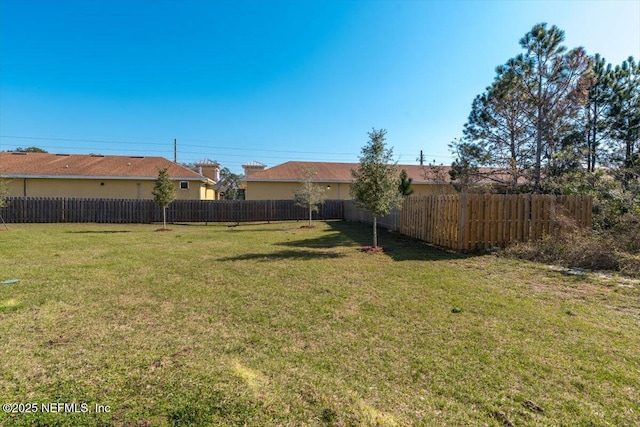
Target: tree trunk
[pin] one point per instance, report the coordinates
(164, 217)
(375, 231)
(538, 165)
(310, 215)
(513, 163)
(592, 143)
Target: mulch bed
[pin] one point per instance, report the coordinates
(164, 229)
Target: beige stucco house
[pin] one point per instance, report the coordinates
(282, 181)
(98, 176)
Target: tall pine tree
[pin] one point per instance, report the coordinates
(555, 86)
(624, 120)
(597, 111)
(526, 120)
(498, 125)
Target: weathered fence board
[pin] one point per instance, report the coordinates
(482, 221)
(466, 222)
(353, 213)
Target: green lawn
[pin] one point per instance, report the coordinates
(273, 324)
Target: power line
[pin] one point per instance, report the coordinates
(203, 149)
(181, 145)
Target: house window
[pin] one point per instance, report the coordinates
(184, 185)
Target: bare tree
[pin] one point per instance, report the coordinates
(309, 195)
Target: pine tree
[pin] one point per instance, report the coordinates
(405, 187)
(528, 121)
(597, 110)
(498, 124)
(375, 185)
(555, 86)
(624, 119)
(469, 158)
(163, 193)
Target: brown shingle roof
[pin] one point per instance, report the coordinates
(341, 172)
(45, 165)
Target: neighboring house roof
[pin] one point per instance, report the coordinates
(254, 163)
(207, 162)
(293, 171)
(83, 166)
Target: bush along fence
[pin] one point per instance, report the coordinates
(468, 222)
(49, 210)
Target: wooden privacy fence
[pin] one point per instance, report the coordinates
(466, 222)
(461, 222)
(43, 210)
(353, 213)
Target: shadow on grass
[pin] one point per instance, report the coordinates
(269, 226)
(395, 245)
(230, 224)
(98, 231)
(330, 239)
(282, 255)
(243, 227)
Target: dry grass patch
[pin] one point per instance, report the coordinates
(615, 249)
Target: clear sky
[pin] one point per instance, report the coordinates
(268, 81)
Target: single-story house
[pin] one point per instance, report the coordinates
(282, 181)
(97, 176)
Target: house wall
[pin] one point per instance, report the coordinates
(207, 193)
(337, 191)
(286, 190)
(99, 188)
(429, 189)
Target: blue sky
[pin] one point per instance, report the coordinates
(268, 81)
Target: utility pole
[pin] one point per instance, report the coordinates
(175, 150)
(421, 158)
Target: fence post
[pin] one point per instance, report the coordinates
(462, 221)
